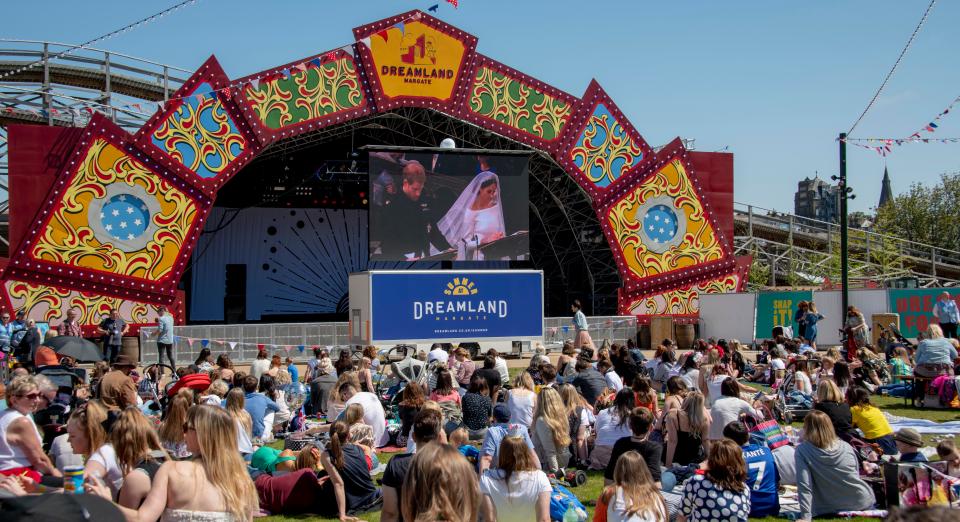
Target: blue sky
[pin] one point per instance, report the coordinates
(773, 81)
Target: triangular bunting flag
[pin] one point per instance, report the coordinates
(260, 347)
(189, 341)
(232, 344)
(204, 342)
(301, 348)
(287, 348)
(255, 83)
(365, 41)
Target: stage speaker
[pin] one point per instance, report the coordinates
(235, 294)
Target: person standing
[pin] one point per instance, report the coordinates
(113, 329)
(6, 330)
(165, 336)
(71, 325)
(812, 318)
(30, 342)
(799, 317)
(581, 338)
(947, 315)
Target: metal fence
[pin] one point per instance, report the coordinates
(241, 340)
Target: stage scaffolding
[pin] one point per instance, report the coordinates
(566, 240)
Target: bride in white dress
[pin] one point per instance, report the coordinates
(476, 218)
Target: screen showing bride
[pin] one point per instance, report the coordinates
(452, 205)
(476, 217)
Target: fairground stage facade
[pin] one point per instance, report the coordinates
(123, 212)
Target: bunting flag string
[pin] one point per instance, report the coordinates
(107, 36)
(885, 145)
(301, 348)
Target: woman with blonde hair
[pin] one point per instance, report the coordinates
(686, 431)
(551, 431)
(214, 485)
(457, 500)
(580, 415)
(522, 400)
(633, 496)
(934, 355)
(21, 446)
(88, 437)
(365, 375)
(171, 430)
(215, 393)
(336, 404)
(516, 490)
(811, 319)
(827, 465)
(139, 455)
(235, 407)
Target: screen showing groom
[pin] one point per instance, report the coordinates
(473, 207)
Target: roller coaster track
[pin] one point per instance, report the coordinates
(803, 249)
(59, 90)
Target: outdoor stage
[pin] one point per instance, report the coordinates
(271, 161)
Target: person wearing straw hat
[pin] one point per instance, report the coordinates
(909, 443)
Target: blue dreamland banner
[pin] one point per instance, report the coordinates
(451, 305)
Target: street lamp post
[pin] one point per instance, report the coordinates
(845, 193)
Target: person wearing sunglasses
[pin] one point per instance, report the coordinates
(21, 446)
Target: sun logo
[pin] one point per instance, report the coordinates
(460, 286)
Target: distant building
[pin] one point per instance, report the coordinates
(817, 199)
(886, 193)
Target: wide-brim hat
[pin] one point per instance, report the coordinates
(124, 360)
(909, 436)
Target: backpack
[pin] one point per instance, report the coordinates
(561, 499)
(946, 389)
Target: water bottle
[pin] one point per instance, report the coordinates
(571, 515)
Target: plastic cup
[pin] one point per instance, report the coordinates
(73, 479)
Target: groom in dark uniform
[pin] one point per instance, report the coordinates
(409, 226)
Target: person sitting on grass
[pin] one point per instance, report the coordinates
(632, 495)
(517, 489)
(909, 443)
(870, 420)
(828, 477)
(490, 449)
(641, 420)
(440, 485)
(426, 429)
(723, 482)
(762, 473)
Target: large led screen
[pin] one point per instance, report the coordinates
(448, 206)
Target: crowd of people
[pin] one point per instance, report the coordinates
(675, 436)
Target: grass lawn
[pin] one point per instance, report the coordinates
(589, 492)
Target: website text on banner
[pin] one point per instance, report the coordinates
(456, 305)
(915, 306)
(777, 309)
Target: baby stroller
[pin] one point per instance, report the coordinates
(789, 405)
(149, 387)
(52, 419)
(403, 371)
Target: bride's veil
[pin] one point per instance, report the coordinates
(453, 226)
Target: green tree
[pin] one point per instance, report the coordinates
(925, 214)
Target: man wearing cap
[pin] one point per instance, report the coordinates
(947, 315)
(490, 450)
(117, 390)
(908, 444)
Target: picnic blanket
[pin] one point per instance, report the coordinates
(923, 425)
